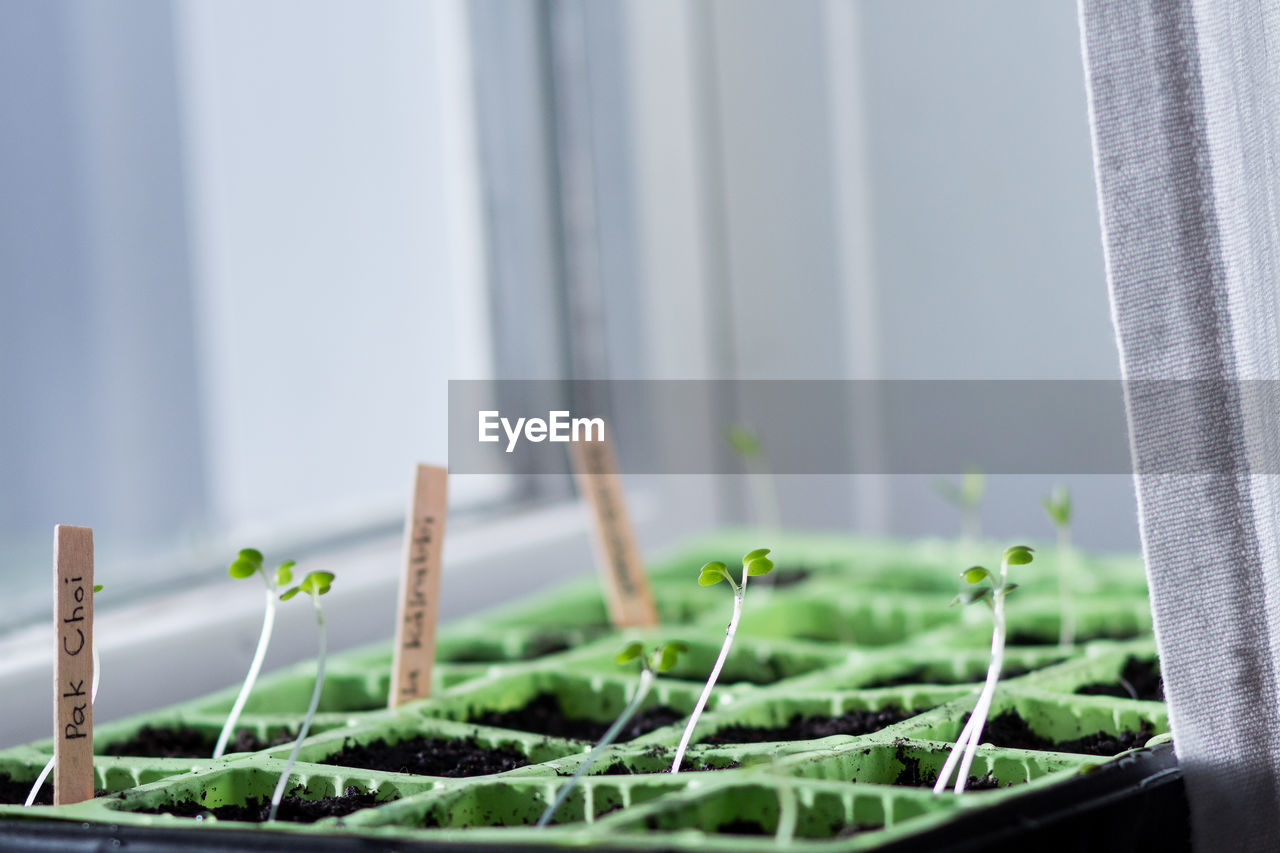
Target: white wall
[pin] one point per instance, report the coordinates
(337, 254)
(880, 189)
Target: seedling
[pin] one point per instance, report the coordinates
(1058, 508)
(966, 497)
(754, 563)
(660, 659)
(247, 564)
(93, 695)
(764, 491)
(990, 589)
(314, 584)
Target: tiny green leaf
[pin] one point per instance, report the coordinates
(743, 441)
(1018, 555)
(969, 596)
(761, 566)
(283, 573)
(712, 573)
(972, 485)
(243, 568)
(755, 555)
(1008, 588)
(977, 574)
(290, 593)
(629, 652)
(316, 583)
(97, 587)
(668, 654)
(1058, 505)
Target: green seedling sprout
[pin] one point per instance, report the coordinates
(93, 695)
(966, 497)
(247, 564)
(764, 491)
(1058, 507)
(660, 659)
(754, 563)
(314, 584)
(990, 589)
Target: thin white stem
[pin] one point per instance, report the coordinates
(646, 681)
(259, 655)
(988, 692)
(971, 734)
(93, 696)
(306, 722)
(957, 749)
(1066, 558)
(35, 789)
(738, 595)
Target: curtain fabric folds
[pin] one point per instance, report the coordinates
(1182, 100)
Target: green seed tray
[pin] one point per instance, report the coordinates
(855, 626)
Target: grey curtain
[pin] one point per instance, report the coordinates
(1182, 97)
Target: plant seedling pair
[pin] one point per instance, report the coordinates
(246, 564)
(658, 660)
(990, 589)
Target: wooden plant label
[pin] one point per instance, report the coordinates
(73, 664)
(626, 586)
(418, 606)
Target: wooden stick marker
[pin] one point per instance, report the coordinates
(419, 602)
(622, 571)
(73, 664)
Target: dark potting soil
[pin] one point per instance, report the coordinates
(1009, 730)
(920, 675)
(1026, 638)
(186, 742)
(427, 757)
(1140, 679)
(13, 792)
(686, 766)
(742, 826)
(544, 716)
(814, 726)
(913, 777)
(292, 808)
